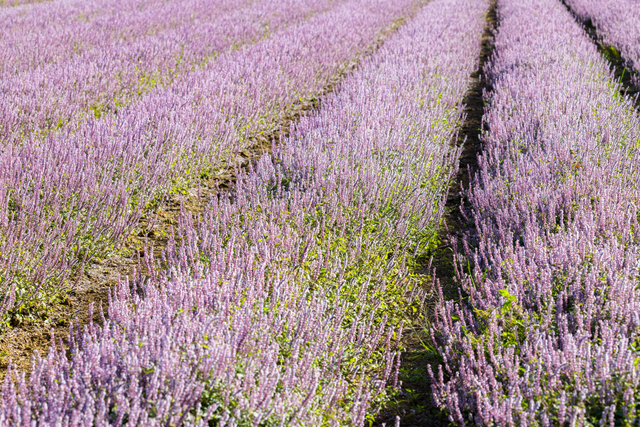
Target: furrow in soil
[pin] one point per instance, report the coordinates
(19, 344)
(414, 406)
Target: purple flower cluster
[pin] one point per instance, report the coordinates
(61, 30)
(83, 188)
(280, 304)
(618, 25)
(102, 66)
(547, 331)
(9, 3)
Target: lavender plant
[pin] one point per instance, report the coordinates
(547, 330)
(617, 24)
(81, 190)
(102, 79)
(4, 3)
(281, 304)
(59, 31)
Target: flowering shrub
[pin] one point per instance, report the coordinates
(617, 24)
(547, 331)
(82, 189)
(282, 304)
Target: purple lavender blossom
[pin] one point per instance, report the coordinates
(618, 25)
(548, 331)
(81, 189)
(280, 302)
(111, 64)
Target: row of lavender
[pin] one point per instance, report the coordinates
(548, 331)
(96, 74)
(8, 3)
(80, 190)
(283, 303)
(617, 23)
(61, 30)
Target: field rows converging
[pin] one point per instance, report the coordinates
(61, 31)
(319, 213)
(78, 192)
(617, 24)
(283, 302)
(107, 78)
(547, 331)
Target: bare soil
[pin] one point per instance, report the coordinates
(414, 405)
(19, 344)
(622, 72)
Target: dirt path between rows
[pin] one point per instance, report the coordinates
(621, 72)
(414, 406)
(19, 344)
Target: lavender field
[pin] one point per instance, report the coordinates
(319, 213)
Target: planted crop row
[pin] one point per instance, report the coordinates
(618, 24)
(81, 190)
(283, 303)
(55, 32)
(9, 3)
(548, 330)
(105, 79)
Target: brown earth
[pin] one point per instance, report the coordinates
(414, 405)
(622, 72)
(19, 344)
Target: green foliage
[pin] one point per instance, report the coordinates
(31, 307)
(611, 53)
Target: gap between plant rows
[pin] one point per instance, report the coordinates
(92, 286)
